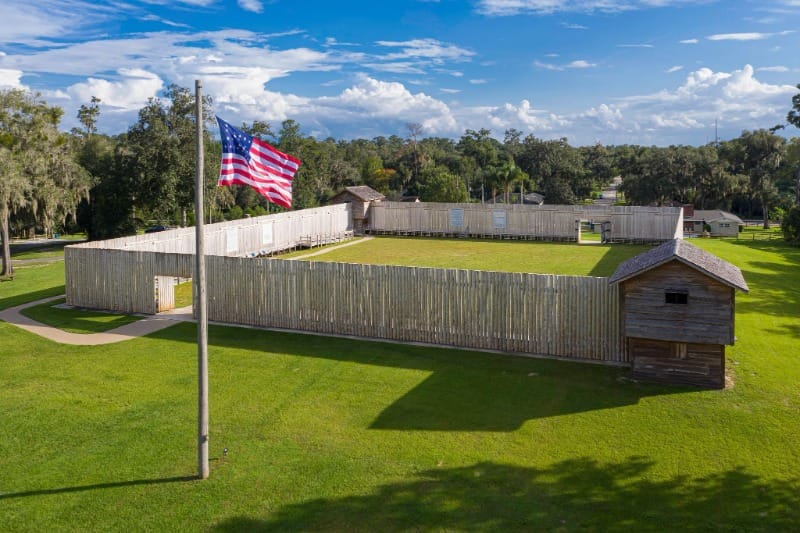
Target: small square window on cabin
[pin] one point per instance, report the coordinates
(676, 297)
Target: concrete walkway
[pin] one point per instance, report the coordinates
(145, 326)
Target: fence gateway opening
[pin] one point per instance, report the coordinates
(164, 293)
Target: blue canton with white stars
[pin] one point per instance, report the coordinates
(234, 141)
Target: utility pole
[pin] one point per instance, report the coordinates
(200, 297)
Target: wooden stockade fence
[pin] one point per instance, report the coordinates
(123, 281)
(120, 274)
(543, 222)
(565, 316)
(258, 235)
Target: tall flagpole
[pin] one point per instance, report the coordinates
(200, 298)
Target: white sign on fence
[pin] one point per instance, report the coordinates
(231, 240)
(266, 233)
(456, 217)
(499, 219)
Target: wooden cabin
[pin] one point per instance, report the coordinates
(361, 197)
(678, 308)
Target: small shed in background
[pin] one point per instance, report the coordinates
(678, 308)
(720, 223)
(361, 196)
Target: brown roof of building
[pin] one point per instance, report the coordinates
(688, 254)
(363, 193)
(710, 215)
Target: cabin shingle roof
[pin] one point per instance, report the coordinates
(688, 254)
(364, 193)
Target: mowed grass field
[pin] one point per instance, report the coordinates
(470, 254)
(338, 434)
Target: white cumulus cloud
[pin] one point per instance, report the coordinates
(129, 91)
(736, 98)
(10, 78)
(381, 99)
(254, 6)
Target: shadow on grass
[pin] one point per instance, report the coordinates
(97, 486)
(569, 495)
(76, 320)
(614, 255)
(465, 391)
(778, 293)
(503, 398)
(18, 299)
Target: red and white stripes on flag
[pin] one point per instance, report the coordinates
(247, 160)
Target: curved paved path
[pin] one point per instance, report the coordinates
(145, 326)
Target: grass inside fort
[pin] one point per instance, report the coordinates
(500, 255)
(339, 434)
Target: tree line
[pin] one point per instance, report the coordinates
(110, 186)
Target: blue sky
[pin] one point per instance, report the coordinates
(611, 71)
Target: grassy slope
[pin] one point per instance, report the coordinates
(339, 434)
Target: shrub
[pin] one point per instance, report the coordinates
(791, 226)
(235, 213)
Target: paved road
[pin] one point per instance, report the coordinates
(609, 193)
(20, 245)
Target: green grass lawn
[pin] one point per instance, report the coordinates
(339, 434)
(183, 294)
(40, 275)
(32, 282)
(76, 320)
(506, 256)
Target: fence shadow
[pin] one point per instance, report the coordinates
(613, 256)
(465, 391)
(18, 299)
(570, 495)
(504, 400)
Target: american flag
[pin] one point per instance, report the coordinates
(250, 161)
